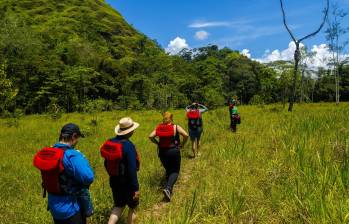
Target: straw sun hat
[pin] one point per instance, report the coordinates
(125, 126)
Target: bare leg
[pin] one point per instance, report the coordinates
(115, 215)
(131, 216)
(198, 146)
(234, 127)
(193, 147)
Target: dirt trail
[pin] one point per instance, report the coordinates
(187, 167)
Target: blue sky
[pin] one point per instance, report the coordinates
(255, 25)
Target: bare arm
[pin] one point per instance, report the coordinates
(204, 108)
(184, 134)
(152, 137)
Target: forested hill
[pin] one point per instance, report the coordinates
(79, 54)
(67, 51)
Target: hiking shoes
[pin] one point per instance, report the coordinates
(167, 194)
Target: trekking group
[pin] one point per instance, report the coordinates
(67, 174)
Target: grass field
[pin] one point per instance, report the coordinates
(279, 167)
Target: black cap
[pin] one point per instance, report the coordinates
(69, 129)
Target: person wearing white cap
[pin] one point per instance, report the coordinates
(124, 183)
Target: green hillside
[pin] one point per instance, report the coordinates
(68, 54)
(49, 48)
(80, 21)
(65, 56)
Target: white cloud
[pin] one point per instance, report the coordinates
(201, 35)
(203, 24)
(277, 55)
(176, 45)
(246, 52)
(238, 24)
(321, 56)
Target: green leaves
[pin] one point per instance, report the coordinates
(73, 52)
(8, 91)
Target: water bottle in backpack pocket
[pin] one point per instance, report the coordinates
(85, 202)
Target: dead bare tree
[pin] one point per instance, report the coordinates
(297, 53)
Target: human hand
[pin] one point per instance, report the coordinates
(136, 196)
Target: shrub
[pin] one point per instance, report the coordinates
(256, 100)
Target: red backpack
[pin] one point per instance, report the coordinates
(194, 119)
(50, 162)
(193, 114)
(112, 153)
(167, 138)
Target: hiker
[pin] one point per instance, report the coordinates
(122, 163)
(167, 137)
(195, 127)
(233, 113)
(66, 176)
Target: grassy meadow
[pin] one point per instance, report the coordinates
(279, 167)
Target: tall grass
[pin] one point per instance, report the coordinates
(279, 167)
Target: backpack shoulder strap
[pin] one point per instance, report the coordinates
(64, 148)
(177, 135)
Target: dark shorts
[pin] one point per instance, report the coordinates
(75, 219)
(122, 195)
(195, 133)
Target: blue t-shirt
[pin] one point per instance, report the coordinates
(129, 157)
(78, 168)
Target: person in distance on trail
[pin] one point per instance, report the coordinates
(195, 127)
(233, 113)
(66, 176)
(169, 145)
(122, 163)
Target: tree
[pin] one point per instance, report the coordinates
(8, 91)
(297, 53)
(306, 58)
(334, 33)
(344, 70)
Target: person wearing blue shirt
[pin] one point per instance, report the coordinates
(125, 186)
(75, 204)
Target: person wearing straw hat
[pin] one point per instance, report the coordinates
(124, 185)
(168, 143)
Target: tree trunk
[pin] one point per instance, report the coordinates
(337, 75)
(334, 72)
(284, 98)
(336, 85)
(295, 72)
(302, 86)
